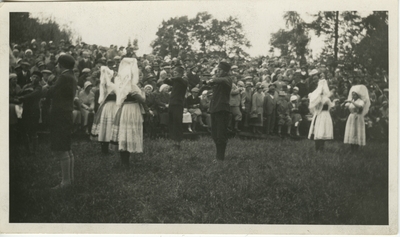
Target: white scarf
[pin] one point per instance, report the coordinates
(127, 79)
(106, 86)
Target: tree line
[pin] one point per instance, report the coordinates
(351, 41)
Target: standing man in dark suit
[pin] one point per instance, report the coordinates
(270, 110)
(62, 95)
(175, 105)
(220, 108)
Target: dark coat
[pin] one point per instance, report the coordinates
(269, 104)
(179, 86)
(30, 96)
(221, 94)
(23, 80)
(63, 92)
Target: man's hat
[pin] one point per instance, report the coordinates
(12, 75)
(37, 73)
(86, 70)
(39, 64)
(224, 66)
(25, 63)
(66, 61)
(248, 78)
(249, 84)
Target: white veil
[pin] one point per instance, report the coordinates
(319, 97)
(127, 79)
(106, 86)
(363, 93)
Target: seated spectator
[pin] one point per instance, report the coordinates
(86, 98)
(187, 119)
(205, 106)
(193, 106)
(85, 74)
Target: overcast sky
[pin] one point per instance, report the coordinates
(113, 23)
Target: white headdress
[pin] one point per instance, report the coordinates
(106, 86)
(319, 97)
(127, 79)
(362, 92)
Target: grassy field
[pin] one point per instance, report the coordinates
(261, 182)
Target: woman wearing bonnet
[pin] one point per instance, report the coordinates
(358, 103)
(104, 117)
(321, 128)
(127, 130)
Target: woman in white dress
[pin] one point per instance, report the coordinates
(104, 117)
(358, 103)
(321, 128)
(127, 130)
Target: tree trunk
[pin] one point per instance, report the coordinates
(335, 62)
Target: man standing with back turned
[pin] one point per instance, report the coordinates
(175, 107)
(62, 95)
(220, 108)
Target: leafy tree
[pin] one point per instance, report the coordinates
(23, 28)
(372, 51)
(202, 34)
(343, 31)
(294, 40)
(172, 37)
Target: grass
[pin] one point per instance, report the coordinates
(261, 182)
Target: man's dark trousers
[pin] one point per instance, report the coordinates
(219, 131)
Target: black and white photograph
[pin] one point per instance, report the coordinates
(189, 117)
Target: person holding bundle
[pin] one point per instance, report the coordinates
(321, 128)
(358, 103)
(104, 117)
(127, 130)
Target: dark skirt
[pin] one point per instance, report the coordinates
(60, 130)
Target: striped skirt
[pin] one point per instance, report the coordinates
(103, 122)
(127, 129)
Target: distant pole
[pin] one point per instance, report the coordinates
(335, 48)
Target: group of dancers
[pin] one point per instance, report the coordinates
(119, 119)
(321, 129)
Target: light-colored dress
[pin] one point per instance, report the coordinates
(321, 124)
(127, 129)
(104, 117)
(355, 126)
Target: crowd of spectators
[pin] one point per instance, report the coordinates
(269, 95)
